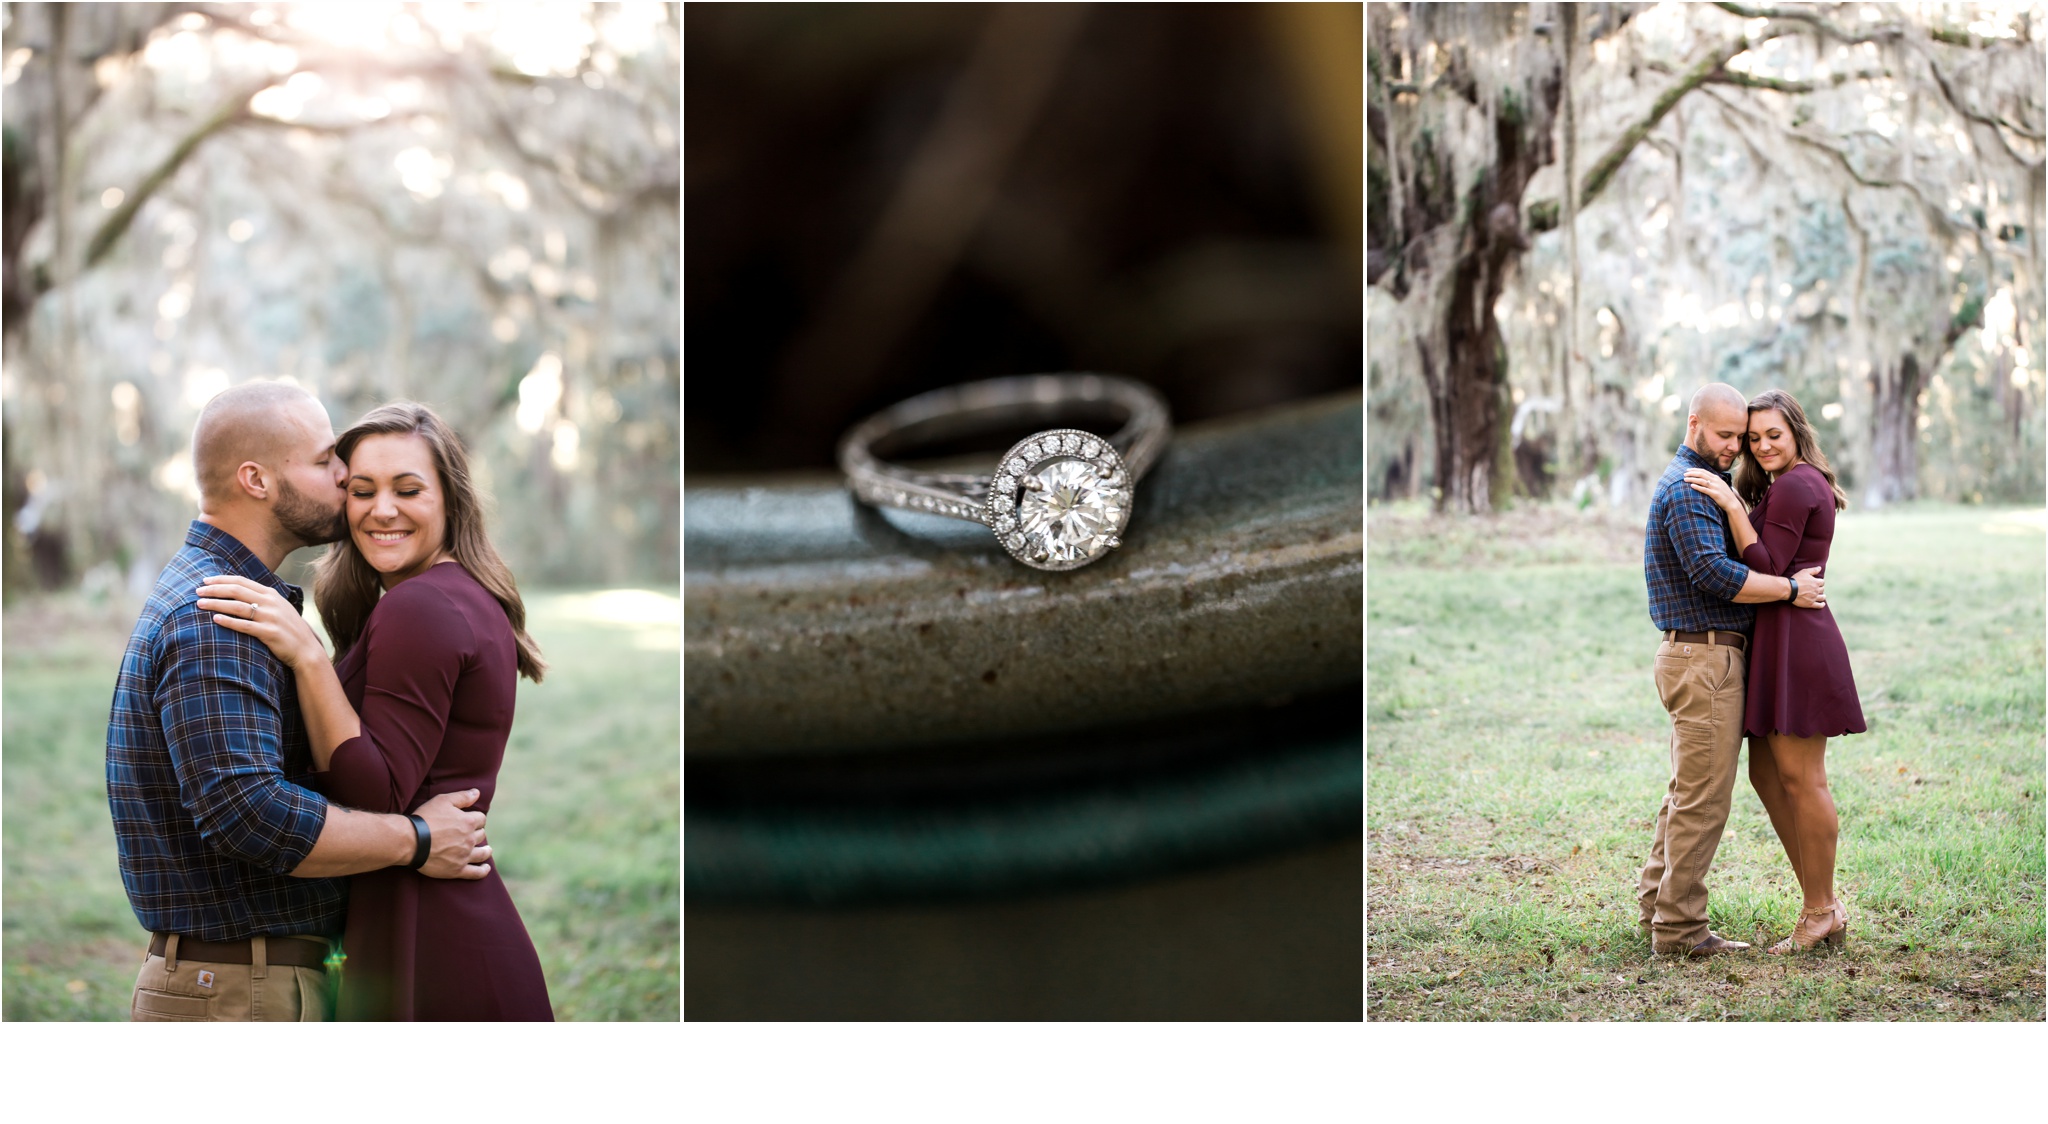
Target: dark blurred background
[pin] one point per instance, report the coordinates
(883, 199)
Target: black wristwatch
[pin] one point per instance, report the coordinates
(1794, 595)
(424, 844)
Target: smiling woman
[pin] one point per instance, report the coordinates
(411, 505)
(394, 506)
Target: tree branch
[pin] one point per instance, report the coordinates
(1712, 70)
(320, 129)
(235, 108)
(1757, 82)
(1956, 38)
(1993, 122)
(1880, 33)
(1737, 78)
(1813, 19)
(1604, 168)
(1842, 158)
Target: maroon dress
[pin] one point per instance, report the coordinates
(1799, 681)
(432, 678)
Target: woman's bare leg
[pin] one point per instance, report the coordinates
(1770, 788)
(1802, 768)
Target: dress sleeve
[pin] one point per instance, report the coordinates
(417, 647)
(1777, 541)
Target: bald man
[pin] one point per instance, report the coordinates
(231, 861)
(1700, 598)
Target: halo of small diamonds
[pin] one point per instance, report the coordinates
(1059, 500)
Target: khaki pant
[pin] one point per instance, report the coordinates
(171, 989)
(1702, 687)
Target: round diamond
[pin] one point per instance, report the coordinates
(1017, 466)
(1006, 523)
(1089, 448)
(1003, 483)
(1076, 512)
(1003, 502)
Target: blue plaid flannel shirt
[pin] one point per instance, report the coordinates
(1689, 556)
(206, 756)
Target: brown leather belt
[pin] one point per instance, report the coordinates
(295, 951)
(1733, 640)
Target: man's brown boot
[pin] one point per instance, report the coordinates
(1712, 946)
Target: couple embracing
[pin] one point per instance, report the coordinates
(279, 815)
(1734, 571)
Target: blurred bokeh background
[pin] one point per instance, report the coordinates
(882, 199)
(472, 205)
(1845, 202)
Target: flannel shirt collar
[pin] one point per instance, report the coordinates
(241, 562)
(1694, 460)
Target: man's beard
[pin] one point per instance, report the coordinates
(308, 521)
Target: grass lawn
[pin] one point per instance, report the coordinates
(586, 822)
(1517, 754)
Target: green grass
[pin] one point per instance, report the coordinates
(1517, 753)
(586, 823)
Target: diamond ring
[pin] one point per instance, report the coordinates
(1057, 500)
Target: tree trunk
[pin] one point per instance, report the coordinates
(1895, 410)
(1468, 383)
(1457, 131)
(1468, 391)
(2012, 400)
(1895, 432)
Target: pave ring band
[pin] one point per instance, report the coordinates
(1057, 500)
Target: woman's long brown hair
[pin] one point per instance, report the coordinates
(346, 587)
(1750, 478)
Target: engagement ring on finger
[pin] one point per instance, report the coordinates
(1057, 500)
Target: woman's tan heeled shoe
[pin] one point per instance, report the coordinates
(1829, 924)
